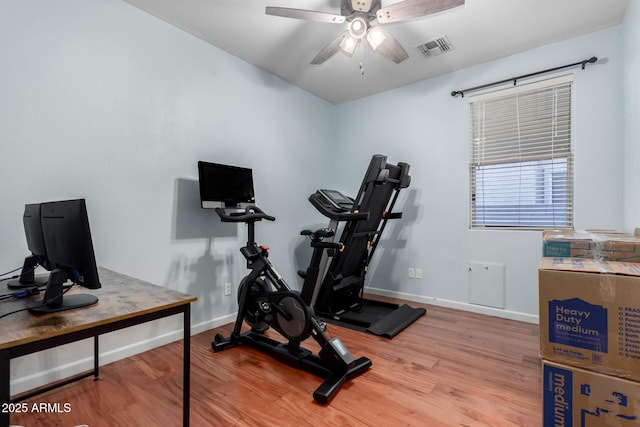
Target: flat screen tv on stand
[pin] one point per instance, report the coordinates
(35, 244)
(225, 186)
(67, 237)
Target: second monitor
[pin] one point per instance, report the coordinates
(69, 247)
(224, 185)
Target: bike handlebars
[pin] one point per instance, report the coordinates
(250, 213)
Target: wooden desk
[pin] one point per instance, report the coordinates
(123, 302)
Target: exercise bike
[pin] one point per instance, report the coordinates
(266, 301)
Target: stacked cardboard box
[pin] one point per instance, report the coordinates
(590, 341)
(605, 245)
(577, 397)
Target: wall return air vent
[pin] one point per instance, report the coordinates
(436, 46)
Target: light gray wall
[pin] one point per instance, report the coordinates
(631, 116)
(103, 101)
(423, 125)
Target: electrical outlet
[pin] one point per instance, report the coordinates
(418, 273)
(412, 273)
(227, 289)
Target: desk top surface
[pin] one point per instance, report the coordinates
(120, 297)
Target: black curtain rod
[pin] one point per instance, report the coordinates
(584, 63)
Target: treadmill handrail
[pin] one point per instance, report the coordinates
(337, 215)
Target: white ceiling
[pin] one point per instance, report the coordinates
(480, 30)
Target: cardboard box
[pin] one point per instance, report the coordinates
(576, 397)
(590, 314)
(618, 247)
(564, 243)
(593, 244)
(603, 231)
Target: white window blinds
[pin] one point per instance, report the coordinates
(521, 170)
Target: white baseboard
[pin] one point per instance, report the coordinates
(211, 324)
(489, 311)
(40, 378)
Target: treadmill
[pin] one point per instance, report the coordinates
(339, 294)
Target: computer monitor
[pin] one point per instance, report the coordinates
(35, 244)
(225, 185)
(67, 238)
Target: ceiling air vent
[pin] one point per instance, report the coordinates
(436, 46)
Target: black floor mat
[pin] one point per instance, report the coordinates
(385, 320)
(392, 324)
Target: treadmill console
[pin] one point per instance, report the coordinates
(336, 199)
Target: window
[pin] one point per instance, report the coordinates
(521, 170)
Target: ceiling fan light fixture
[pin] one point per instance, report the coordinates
(375, 38)
(348, 45)
(358, 28)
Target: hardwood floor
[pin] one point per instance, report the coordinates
(450, 368)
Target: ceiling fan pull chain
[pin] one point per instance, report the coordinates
(361, 59)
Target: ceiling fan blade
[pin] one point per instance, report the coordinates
(409, 9)
(383, 43)
(329, 50)
(308, 15)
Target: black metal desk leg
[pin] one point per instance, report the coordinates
(5, 389)
(96, 358)
(186, 361)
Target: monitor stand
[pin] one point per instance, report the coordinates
(54, 299)
(27, 278)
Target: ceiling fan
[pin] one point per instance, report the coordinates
(364, 18)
